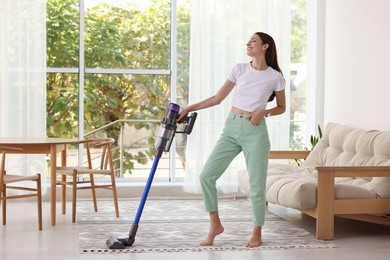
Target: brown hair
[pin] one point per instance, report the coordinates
(271, 56)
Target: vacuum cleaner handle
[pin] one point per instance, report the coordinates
(190, 120)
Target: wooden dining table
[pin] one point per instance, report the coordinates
(43, 145)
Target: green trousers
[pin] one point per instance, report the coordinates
(239, 135)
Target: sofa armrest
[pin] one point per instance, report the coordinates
(355, 171)
(326, 180)
(288, 154)
(327, 206)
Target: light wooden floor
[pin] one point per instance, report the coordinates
(20, 239)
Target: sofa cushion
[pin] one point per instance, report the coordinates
(291, 186)
(346, 146)
(381, 186)
(296, 186)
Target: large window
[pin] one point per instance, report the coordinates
(113, 67)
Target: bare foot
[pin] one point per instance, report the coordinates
(254, 242)
(215, 231)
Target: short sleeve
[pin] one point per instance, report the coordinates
(233, 74)
(280, 83)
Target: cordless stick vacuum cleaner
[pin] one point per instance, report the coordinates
(163, 144)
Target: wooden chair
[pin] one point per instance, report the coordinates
(105, 168)
(6, 179)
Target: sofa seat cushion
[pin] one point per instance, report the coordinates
(296, 186)
(290, 186)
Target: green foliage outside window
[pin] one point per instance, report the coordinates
(115, 37)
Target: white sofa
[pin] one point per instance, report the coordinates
(347, 174)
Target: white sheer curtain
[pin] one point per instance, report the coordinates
(23, 77)
(219, 32)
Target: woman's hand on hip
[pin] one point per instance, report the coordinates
(256, 117)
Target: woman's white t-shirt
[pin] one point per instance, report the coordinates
(254, 87)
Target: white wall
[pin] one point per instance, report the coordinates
(357, 63)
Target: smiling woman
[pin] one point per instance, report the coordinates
(217, 43)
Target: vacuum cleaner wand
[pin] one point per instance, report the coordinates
(163, 144)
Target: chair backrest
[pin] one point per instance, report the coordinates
(104, 144)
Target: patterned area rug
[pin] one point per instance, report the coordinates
(179, 226)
